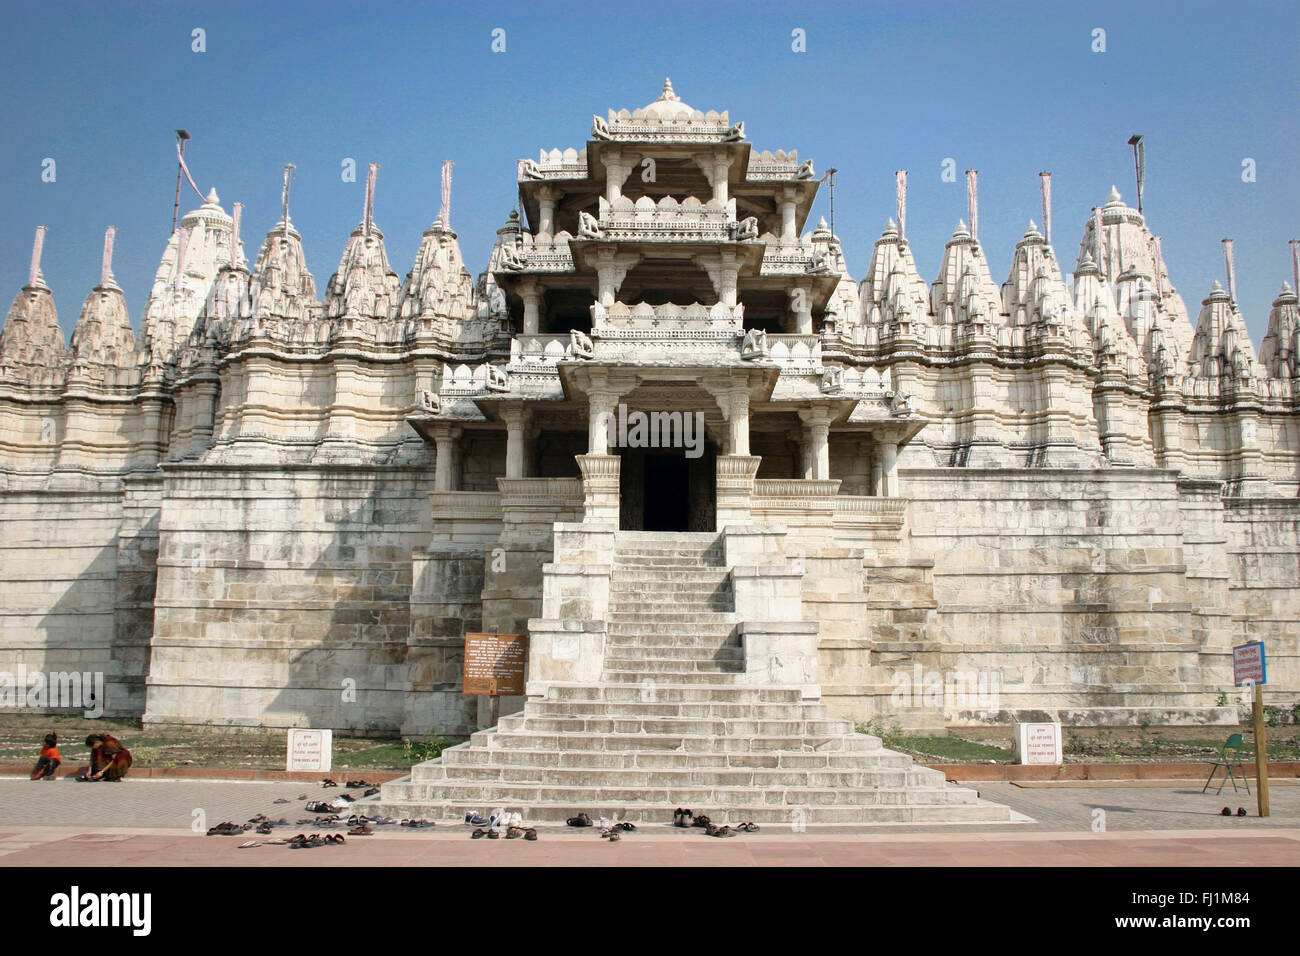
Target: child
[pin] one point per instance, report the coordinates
(49, 760)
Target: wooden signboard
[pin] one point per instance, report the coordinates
(494, 664)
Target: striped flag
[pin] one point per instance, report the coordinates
(973, 202)
(34, 273)
(444, 214)
(1045, 187)
(106, 263)
(900, 195)
(1232, 271)
(234, 235)
(284, 196)
(367, 218)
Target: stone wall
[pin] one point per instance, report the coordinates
(284, 596)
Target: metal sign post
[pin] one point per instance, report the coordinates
(1249, 669)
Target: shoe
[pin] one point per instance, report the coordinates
(370, 792)
(280, 800)
(530, 833)
(1225, 812)
(723, 832)
(581, 820)
(474, 819)
(328, 783)
(514, 833)
(494, 834)
(478, 834)
(498, 817)
(613, 836)
(1241, 811)
(702, 821)
(264, 828)
(360, 831)
(624, 826)
(683, 818)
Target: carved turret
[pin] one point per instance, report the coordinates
(31, 344)
(1221, 350)
(1280, 351)
(964, 295)
(281, 286)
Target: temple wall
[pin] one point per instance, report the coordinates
(59, 587)
(284, 596)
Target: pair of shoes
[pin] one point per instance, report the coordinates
(581, 820)
(683, 818)
(417, 824)
(610, 834)
(702, 821)
(318, 806)
(264, 828)
(328, 783)
(226, 829)
(357, 784)
(370, 792)
(748, 828)
(625, 826)
(362, 830)
(711, 830)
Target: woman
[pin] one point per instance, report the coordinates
(109, 760)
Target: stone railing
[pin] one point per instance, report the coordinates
(538, 255)
(777, 166)
(667, 219)
(877, 517)
(563, 496)
(540, 349)
(642, 317)
(788, 258)
(684, 126)
(557, 164)
(795, 351)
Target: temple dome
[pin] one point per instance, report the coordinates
(668, 105)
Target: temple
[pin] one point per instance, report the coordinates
(669, 437)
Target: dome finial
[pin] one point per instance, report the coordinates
(667, 92)
(213, 199)
(1114, 195)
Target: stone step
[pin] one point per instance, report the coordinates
(636, 652)
(670, 692)
(658, 708)
(778, 818)
(669, 613)
(672, 603)
(703, 626)
(614, 743)
(717, 726)
(662, 576)
(698, 778)
(719, 639)
(641, 676)
(874, 759)
(687, 796)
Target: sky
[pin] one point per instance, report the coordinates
(1007, 88)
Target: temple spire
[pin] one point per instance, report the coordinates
(667, 92)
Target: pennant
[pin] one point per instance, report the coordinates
(1045, 187)
(234, 235)
(972, 202)
(444, 214)
(180, 158)
(1232, 271)
(900, 194)
(38, 244)
(1295, 266)
(367, 219)
(106, 263)
(284, 196)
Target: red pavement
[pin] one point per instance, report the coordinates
(67, 846)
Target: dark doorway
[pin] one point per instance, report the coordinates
(666, 491)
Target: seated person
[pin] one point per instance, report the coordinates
(109, 760)
(49, 760)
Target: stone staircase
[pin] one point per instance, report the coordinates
(672, 723)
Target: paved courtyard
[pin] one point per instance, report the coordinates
(149, 823)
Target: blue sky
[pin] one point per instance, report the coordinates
(1008, 88)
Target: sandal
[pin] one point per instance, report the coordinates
(748, 828)
(328, 783)
(530, 833)
(494, 834)
(702, 821)
(370, 792)
(514, 833)
(360, 831)
(249, 845)
(478, 834)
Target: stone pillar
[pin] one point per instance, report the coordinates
(444, 440)
(600, 487)
(889, 468)
(600, 402)
(615, 172)
(516, 419)
(531, 293)
(818, 427)
(788, 208)
(721, 170)
(877, 474)
(738, 422)
(801, 305)
(546, 197)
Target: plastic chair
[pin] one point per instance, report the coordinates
(1227, 759)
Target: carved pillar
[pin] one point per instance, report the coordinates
(877, 474)
(600, 405)
(531, 293)
(738, 421)
(735, 487)
(889, 468)
(516, 419)
(445, 438)
(546, 198)
(616, 171)
(818, 422)
(611, 269)
(801, 306)
(789, 199)
(723, 269)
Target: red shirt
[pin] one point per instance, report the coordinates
(52, 753)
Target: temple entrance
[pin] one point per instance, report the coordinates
(666, 491)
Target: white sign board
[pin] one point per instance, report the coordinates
(310, 750)
(1038, 743)
(1248, 664)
